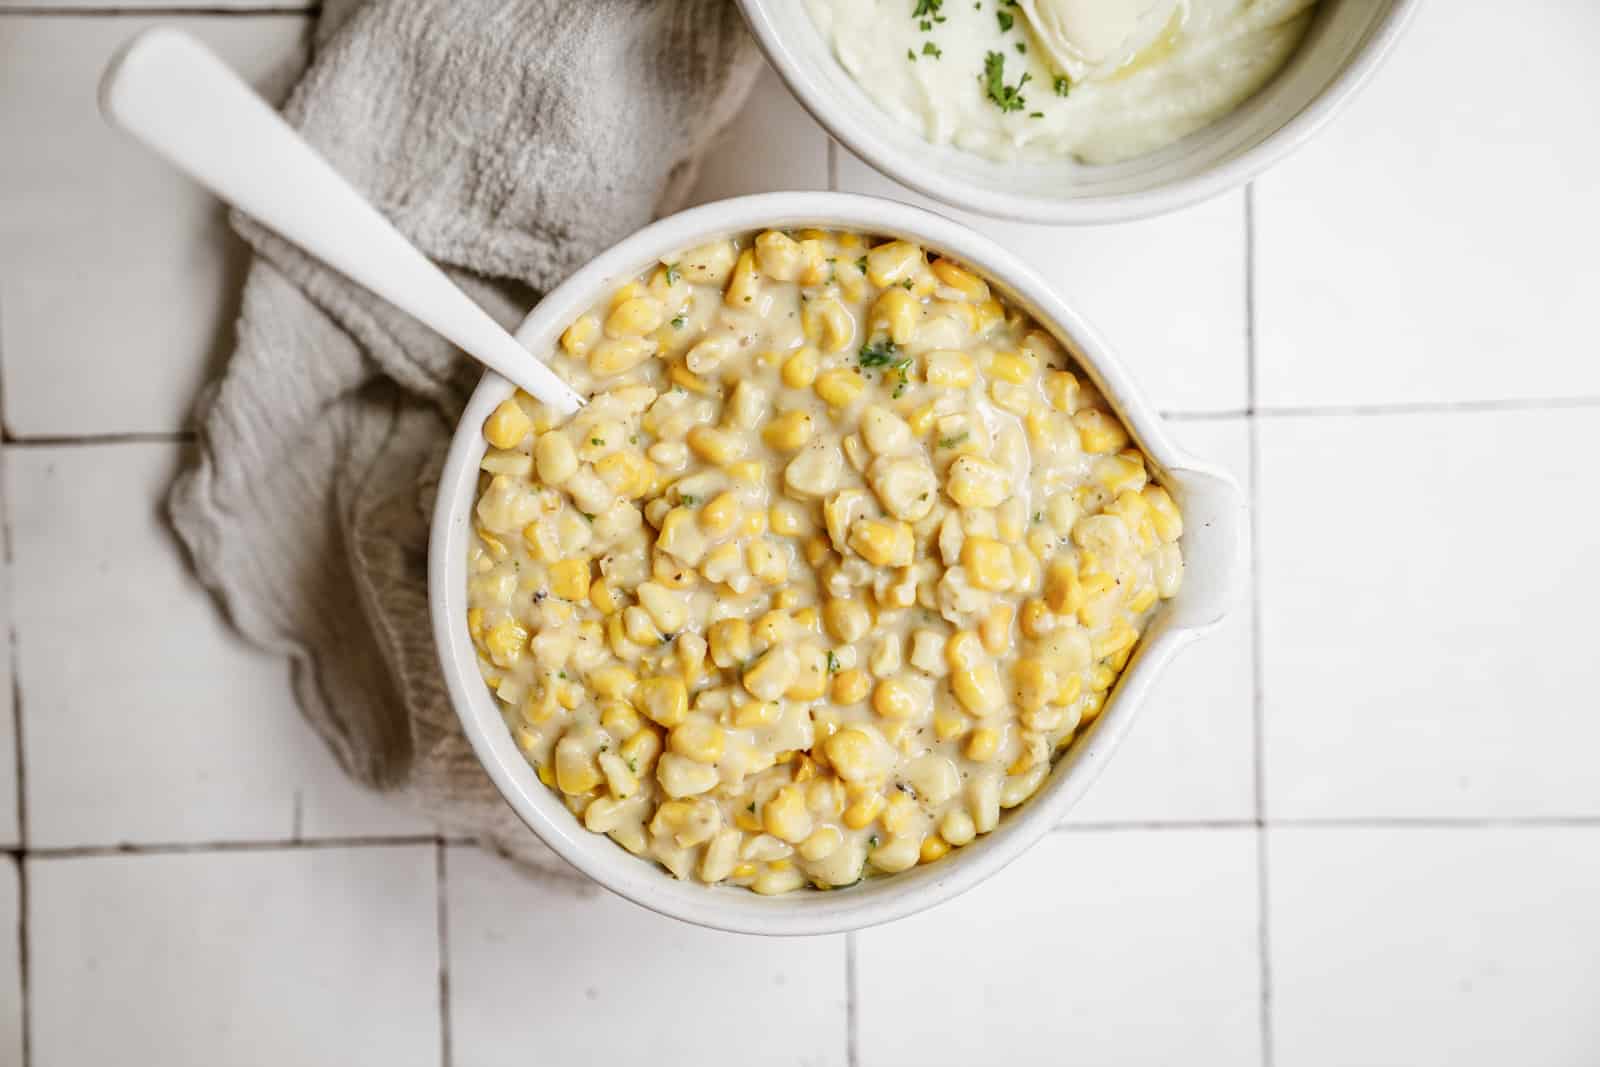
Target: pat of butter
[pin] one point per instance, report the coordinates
(1090, 39)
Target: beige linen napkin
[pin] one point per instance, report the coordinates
(511, 141)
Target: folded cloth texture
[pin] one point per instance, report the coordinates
(511, 140)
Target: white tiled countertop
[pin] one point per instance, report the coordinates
(1360, 825)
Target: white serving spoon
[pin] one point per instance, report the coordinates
(171, 92)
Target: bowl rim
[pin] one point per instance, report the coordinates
(879, 900)
(860, 134)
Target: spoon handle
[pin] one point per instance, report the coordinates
(169, 91)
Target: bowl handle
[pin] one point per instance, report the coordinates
(1216, 519)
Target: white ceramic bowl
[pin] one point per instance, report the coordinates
(1345, 44)
(1214, 518)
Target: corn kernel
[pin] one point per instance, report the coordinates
(697, 739)
(506, 641)
(613, 682)
(966, 283)
(730, 642)
(1063, 589)
(850, 752)
(507, 425)
(983, 745)
(894, 262)
(664, 700)
(789, 431)
(786, 817)
(973, 676)
(580, 336)
(745, 282)
(1099, 431)
(718, 517)
(883, 543)
(1011, 367)
(800, 369)
(715, 446)
(1061, 388)
(569, 579)
(860, 814)
(771, 674)
(634, 317)
(1164, 513)
(851, 686)
(613, 357)
(949, 369)
(988, 563)
(994, 629)
(973, 482)
(895, 312)
(933, 848)
(779, 256)
(895, 698)
(839, 388)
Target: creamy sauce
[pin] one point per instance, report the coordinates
(1107, 80)
(837, 559)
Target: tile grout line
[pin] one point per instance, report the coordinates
(25, 1009)
(1257, 675)
(852, 1004)
(1251, 400)
(171, 437)
(441, 870)
(181, 848)
(167, 11)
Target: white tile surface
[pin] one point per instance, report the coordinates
(1190, 755)
(1436, 243)
(1095, 947)
(306, 956)
(1448, 947)
(118, 278)
(772, 144)
(10, 962)
(1167, 294)
(1427, 637)
(594, 979)
(132, 681)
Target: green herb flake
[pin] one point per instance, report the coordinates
(672, 274)
(688, 501)
(927, 8)
(1005, 97)
(1006, 18)
(1022, 49)
(861, 264)
(677, 322)
(1063, 85)
(586, 516)
(931, 49)
(833, 663)
(951, 442)
(872, 842)
(598, 442)
(911, 55)
(879, 353)
(751, 807)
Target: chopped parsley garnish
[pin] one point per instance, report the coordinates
(598, 442)
(879, 353)
(1005, 97)
(751, 807)
(587, 516)
(861, 264)
(672, 274)
(1063, 85)
(872, 842)
(688, 501)
(1036, 114)
(911, 55)
(833, 663)
(1007, 19)
(677, 323)
(931, 49)
(927, 8)
(951, 442)
(1022, 49)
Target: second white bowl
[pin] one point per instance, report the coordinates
(1347, 41)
